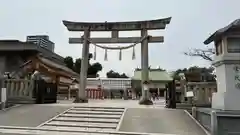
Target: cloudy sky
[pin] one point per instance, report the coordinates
(192, 22)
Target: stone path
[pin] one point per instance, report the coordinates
(97, 117)
(29, 115)
(165, 121)
(86, 119)
(113, 103)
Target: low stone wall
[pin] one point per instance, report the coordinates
(188, 107)
(218, 122)
(204, 117)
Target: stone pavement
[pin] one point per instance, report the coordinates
(112, 103)
(29, 115)
(154, 120)
(102, 116)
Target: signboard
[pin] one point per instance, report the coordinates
(189, 94)
(145, 87)
(3, 95)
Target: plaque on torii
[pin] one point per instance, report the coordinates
(115, 28)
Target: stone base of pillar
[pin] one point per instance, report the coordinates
(80, 100)
(226, 101)
(145, 101)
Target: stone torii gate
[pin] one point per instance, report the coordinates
(114, 28)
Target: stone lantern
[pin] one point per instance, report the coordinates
(227, 63)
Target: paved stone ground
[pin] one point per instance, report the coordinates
(29, 115)
(112, 103)
(14, 134)
(159, 121)
(138, 118)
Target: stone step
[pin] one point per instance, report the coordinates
(93, 112)
(92, 120)
(78, 129)
(91, 116)
(80, 124)
(52, 130)
(98, 109)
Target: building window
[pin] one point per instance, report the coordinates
(233, 45)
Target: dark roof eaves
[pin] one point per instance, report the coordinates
(216, 35)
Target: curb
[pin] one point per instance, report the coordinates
(14, 106)
(36, 130)
(121, 119)
(206, 132)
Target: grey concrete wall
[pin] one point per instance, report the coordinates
(204, 118)
(227, 123)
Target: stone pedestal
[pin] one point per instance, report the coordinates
(226, 100)
(145, 101)
(228, 83)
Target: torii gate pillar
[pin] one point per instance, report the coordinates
(145, 99)
(115, 27)
(81, 98)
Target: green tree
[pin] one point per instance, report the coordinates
(123, 76)
(93, 69)
(77, 65)
(113, 74)
(69, 62)
(195, 70)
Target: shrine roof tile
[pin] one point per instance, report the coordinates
(219, 33)
(57, 66)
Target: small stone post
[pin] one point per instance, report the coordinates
(214, 123)
(194, 112)
(3, 94)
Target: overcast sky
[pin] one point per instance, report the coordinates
(192, 22)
